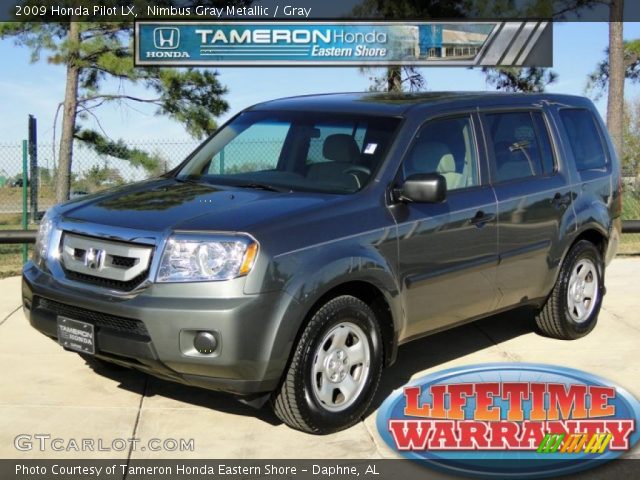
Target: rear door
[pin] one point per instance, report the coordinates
(447, 251)
(586, 145)
(534, 200)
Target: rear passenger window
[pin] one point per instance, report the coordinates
(544, 143)
(521, 145)
(584, 138)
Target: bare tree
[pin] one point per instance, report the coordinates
(617, 68)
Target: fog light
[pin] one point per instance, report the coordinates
(205, 342)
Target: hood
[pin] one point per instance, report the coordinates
(158, 205)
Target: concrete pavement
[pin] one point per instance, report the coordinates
(45, 390)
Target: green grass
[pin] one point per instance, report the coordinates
(11, 255)
(630, 242)
(11, 260)
(631, 206)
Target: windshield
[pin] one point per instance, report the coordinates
(308, 151)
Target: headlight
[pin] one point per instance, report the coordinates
(187, 258)
(43, 239)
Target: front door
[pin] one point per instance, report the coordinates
(447, 251)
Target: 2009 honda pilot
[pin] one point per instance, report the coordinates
(293, 251)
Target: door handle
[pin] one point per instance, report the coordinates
(480, 218)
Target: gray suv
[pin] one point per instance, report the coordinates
(289, 256)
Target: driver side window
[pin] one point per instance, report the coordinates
(446, 147)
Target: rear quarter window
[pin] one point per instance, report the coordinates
(584, 138)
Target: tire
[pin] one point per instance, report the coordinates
(560, 316)
(331, 379)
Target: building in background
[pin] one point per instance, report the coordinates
(458, 44)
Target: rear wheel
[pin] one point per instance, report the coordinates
(335, 369)
(572, 309)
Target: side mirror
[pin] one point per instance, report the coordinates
(423, 188)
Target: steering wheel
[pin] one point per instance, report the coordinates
(358, 172)
(357, 169)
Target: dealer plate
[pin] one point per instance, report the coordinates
(76, 335)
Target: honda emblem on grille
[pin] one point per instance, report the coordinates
(94, 258)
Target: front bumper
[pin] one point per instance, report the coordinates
(148, 331)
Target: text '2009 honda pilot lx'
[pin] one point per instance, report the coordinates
(292, 252)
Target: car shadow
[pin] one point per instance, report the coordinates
(414, 357)
(440, 348)
(150, 386)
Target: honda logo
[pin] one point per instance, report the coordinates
(166, 38)
(94, 258)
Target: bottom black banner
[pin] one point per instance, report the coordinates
(283, 469)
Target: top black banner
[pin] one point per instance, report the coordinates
(216, 10)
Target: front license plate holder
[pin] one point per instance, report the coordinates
(76, 335)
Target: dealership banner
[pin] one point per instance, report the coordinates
(422, 44)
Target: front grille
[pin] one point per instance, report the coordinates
(119, 261)
(98, 319)
(107, 263)
(107, 282)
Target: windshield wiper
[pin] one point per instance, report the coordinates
(186, 180)
(261, 186)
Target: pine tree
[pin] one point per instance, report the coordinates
(95, 52)
(396, 78)
(527, 79)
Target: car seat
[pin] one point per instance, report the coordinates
(342, 152)
(434, 157)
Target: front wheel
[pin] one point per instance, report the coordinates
(335, 369)
(571, 311)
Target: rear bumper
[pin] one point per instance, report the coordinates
(614, 240)
(148, 331)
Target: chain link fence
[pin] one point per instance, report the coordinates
(631, 176)
(91, 172)
(631, 199)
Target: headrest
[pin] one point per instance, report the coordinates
(426, 157)
(341, 147)
(447, 164)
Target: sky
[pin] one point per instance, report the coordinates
(37, 88)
